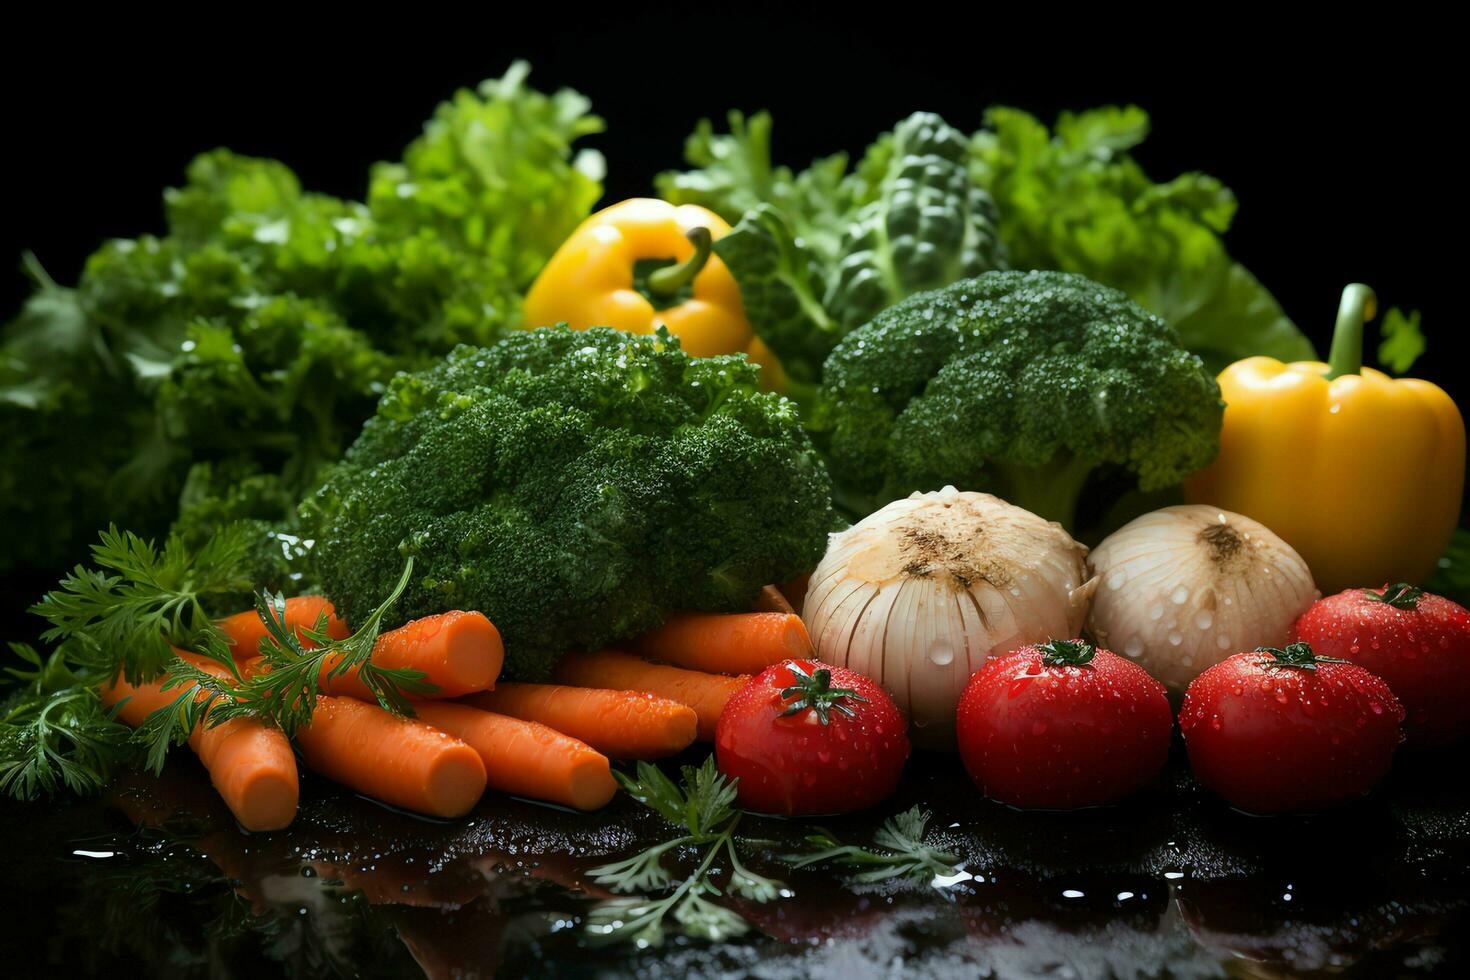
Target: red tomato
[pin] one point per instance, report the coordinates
(1288, 730)
(1062, 724)
(1419, 643)
(804, 738)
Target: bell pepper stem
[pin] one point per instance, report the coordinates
(669, 280)
(1358, 306)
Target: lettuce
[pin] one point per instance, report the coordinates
(207, 374)
(1073, 199)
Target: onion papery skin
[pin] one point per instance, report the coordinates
(920, 593)
(1182, 588)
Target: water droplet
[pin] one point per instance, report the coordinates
(1157, 612)
(1204, 619)
(1222, 641)
(1179, 596)
(941, 654)
(1134, 647)
(1116, 578)
(1175, 639)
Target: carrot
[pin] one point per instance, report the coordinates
(705, 693)
(458, 652)
(734, 643)
(621, 724)
(527, 759)
(252, 766)
(245, 630)
(772, 600)
(401, 761)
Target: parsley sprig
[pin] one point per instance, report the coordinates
(703, 805)
(55, 731)
(130, 614)
(141, 600)
(904, 852)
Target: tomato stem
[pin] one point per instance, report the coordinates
(1297, 656)
(1401, 595)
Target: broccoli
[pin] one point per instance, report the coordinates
(574, 486)
(1019, 383)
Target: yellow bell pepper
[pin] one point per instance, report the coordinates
(1361, 473)
(591, 280)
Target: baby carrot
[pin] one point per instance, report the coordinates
(705, 693)
(401, 761)
(733, 643)
(458, 652)
(620, 724)
(245, 630)
(252, 766)
(527, 759)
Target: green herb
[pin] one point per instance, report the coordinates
(1067, 653)
(1402, 340)
(1297, 656)
(814, 691)
(55, 732)
(703, 806)
(904, 852)
(1400, 596)
(126, 613)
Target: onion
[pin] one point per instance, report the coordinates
(1183, 588)
(918, 594)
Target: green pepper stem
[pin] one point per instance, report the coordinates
(669, 280)
(1358, 306)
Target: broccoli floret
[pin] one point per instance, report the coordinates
(1021, 384)
(574, 486)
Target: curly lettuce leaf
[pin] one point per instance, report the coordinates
(260, 330)
(1073, 199)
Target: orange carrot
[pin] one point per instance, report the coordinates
(245, 630)
(735, 643)
(525, 758)
(705, 693)
(401, 761)
(621, 724)
(252, 766)
(458, 652)
(772, 600)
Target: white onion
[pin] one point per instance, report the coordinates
(918, 594)
(1182, 588)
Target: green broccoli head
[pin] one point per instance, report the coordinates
(574, 486)
(1019, 383)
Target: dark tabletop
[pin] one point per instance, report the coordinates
(155, 879)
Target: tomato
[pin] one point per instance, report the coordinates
(1062, 724)
(1418, 642)
(1289, 730)
(804, 738)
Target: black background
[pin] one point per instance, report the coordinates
(1337, 144)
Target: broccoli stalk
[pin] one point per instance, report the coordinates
(1050, 490)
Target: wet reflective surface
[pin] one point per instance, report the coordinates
(155, 880)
